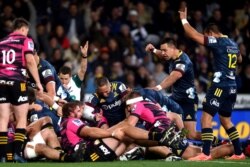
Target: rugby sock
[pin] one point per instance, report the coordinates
(156, 136)
(207, 138)
(59, 149)
(64, 157)
(234, 137)
(3, 144)
(9, 151)
(48, 125)
(19, 140)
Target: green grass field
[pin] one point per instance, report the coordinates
(143, 163)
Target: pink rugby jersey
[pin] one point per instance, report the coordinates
(12, 60)
(70, 129)
(151, 115)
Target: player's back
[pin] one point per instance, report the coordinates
(166, 103)
(12, 60)
(225, 53)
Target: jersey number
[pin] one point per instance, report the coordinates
(8, 56)
(232, 60)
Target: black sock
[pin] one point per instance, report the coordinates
(207, 138)
(19, 140)
(48, 125)
(64, 157)
(59, 149)
(156, 136)
(9, 151)
(234, 137)
(3, 143)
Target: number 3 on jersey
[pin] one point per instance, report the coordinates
(8, 56)
(232, 60)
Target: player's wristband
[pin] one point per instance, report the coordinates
(55, 106)
(159, 87)
(184, 21)
(56, 98)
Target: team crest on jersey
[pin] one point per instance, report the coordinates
(47, 73)
(212, 40)
(180, 67)
(30, 45)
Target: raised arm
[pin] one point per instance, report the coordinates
(189, 30)
(83, 67)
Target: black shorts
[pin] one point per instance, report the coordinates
(220, 99)
(99, 151)
(189, 108)
(180, 148)
(14, 92)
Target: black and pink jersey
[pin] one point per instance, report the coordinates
(12, 60)
(151, 115)
(70, 129)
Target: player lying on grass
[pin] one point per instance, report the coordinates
(98, 144)
(153, 117)
(42, 142)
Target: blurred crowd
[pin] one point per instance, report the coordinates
(118, 31)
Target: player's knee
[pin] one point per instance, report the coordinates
(40, 148)
(226, 123)
(192, 135)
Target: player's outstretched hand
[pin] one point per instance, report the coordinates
(183, 13)
(84, 49)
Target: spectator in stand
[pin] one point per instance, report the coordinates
(61, 37)
(90, 81)
(117, 72)
(245, 77)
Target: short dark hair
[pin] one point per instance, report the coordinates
(101, 81)
(65, 70)
(169, 41)
(19, 23)
(70, 107)
(212, 27)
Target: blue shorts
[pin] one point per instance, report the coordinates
(189, 108)
(220, 99)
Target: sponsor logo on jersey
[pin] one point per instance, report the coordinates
(30, 45)
(77, 122)
(47, 73)
(180, 67)
(122, 88)
(214, 102)
(9, 83)
(2, 99)
(232, 91)
(22, 98)
(212, 39)
(104, 150)
(115, 104)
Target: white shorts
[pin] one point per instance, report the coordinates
(29, 150)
